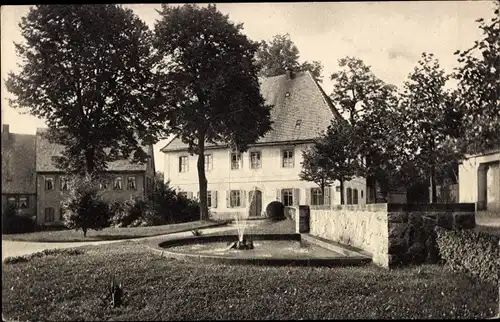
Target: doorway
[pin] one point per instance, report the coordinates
(255, 197)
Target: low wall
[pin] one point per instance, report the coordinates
(360, 226)
(412, 237)
(394, 234)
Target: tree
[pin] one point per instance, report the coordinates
(427, 106)
(479, 87)
(87, 70)
(210, 74)
(371, 105)
(280, 53)
(83, 207)
(332, 157)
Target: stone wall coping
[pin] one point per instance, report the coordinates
(436, 207)
(375, 207)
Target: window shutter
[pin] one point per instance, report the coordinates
(190, 195)
(214, 199)
(308, 196)
(243, 198)
(326, 196)
(180, 162)
(293, 158)
(296, 197)
(228, 199)
(198, 195)
(278, 195)
(187, 163)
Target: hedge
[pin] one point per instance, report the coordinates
(472, 252)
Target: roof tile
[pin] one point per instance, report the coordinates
(298, 98)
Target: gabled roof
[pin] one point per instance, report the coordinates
(301, 110)
(45, 150)
(18, 163)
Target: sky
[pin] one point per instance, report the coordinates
(388, 36)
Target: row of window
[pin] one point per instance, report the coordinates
(237, 161)
(117, 183)
(49, 214)
(289, 197)
(21, 202)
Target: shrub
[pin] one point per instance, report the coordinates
(167, 206)
(129, 213)
(83, 207)
(472, 252)
(13, 223)
(275, 211)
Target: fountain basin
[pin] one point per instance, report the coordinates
(270, 249)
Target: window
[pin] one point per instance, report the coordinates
(49, 214)
(12, 201)
(61, 213)
(361, 193)
(235, 161)
(49, 183)
(148, 184)
(131, 183)
(118, 184)
(23, 202)
(209, 199)
(64, 183)
(317, 198)
(235, 198)
(255, 160)
(183, 164)
(103, 185)
(208, 162)
(287, 197)
(355, 196)
(287, 156)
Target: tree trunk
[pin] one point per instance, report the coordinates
(89, 161)
(432, 183)
(202, 179)
(342, 200)
(84, 232)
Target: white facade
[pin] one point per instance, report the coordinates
(276, 177)
(479, 181)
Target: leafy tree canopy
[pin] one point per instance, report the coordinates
(87, 70)
(280, 53)
(211, 82)
(479, 86)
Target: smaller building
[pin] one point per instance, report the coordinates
(18, 171)
(479, 180)
(126, 180)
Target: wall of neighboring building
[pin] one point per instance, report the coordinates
(270, 179)
(53, 198)
(479, 181)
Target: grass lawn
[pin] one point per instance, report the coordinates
(69, 287)
(108, 233)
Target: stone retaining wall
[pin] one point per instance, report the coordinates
(360, 226)
(412, 237)
(394, 234)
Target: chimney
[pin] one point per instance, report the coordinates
(5, 128)
(289, 74)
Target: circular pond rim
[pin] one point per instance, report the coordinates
(163, 249)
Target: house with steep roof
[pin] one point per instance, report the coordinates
(32, 182)
(269, 170)
(125, 179)
(18, 171)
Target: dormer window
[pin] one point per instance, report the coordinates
(298, 123)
